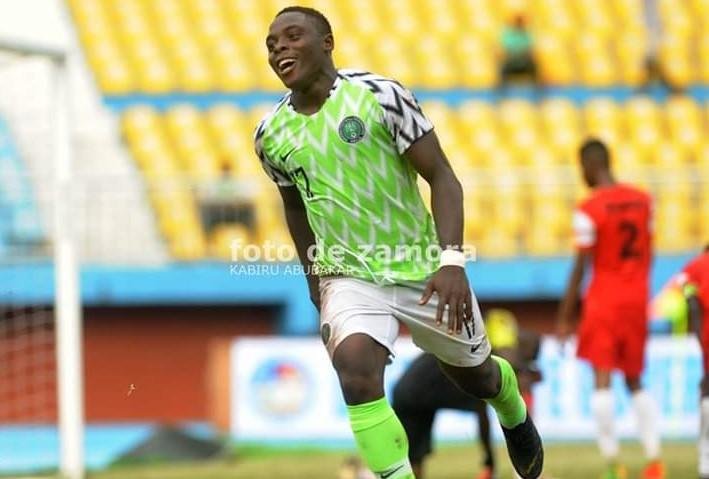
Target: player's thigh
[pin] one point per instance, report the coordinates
(468, 348)
(349, 307)
(598, 340)
(631, 356)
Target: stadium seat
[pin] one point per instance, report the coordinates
(497, 243)
(224, 236)
(515, 159)
(603, 120)
(685, 124)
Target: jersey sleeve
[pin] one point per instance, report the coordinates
(280, 177)
(688, 279)
(403, 116)
(584, 229)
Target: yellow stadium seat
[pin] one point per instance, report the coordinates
(628, 12)
(703, 156)
(673, 226)
(476, 65)
(596, 67)
(625, 156)
(595, 16)
(603, 120)
(188, 246)
(555, 65)
(676, 60)
(561, 124)
(676, 18)
(139, 121)
(437, 70)
(480, 18)
(684, 121)
(631, 50)
(540, 242)
(224, 238)
(642, 117)
(496, 243)
(668, 155)
(703, 54)
(476, 114)
(543, 157)
(352, 53)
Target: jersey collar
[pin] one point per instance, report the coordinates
(333, 88)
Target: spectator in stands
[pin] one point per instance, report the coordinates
(223, 200)
(517, 54)
(653, 67)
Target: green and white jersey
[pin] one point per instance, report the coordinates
(360, 193)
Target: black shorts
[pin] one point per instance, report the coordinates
(420, 393)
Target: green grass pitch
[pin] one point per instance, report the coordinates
(563, 461)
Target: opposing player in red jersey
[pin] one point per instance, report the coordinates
(612, 230)
(694, 280)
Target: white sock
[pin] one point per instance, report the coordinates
(646, 414)
(704, 438)
(603, 412)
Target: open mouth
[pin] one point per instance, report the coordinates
(286, 65)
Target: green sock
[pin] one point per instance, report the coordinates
(508, 404)
(381, 439)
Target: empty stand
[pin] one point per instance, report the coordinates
(516, 159)
(195, 46)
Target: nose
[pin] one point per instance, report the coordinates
(279, 46)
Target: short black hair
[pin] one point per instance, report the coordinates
(321, 21)
(595, 149)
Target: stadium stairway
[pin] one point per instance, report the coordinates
(110, 194)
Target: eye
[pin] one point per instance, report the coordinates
(293, 36)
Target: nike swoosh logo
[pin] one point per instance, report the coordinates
(384, 475)
(285, 157)
(475, 347)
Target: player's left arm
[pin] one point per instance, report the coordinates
(449, 282)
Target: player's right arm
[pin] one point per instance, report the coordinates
(302, 235)
(584, 239)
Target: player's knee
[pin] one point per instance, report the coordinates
(360, 387)
(486, 381)
(481, 381)
(633, 383)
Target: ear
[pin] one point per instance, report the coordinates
(329, 43)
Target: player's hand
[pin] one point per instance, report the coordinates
(451, 285)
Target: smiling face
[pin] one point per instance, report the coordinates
(297, 49)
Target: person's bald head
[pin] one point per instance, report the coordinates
(595, 161)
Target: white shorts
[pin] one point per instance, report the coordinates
(349, 306)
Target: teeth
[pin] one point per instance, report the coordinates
(286, 63)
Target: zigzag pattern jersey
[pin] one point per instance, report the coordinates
(361, 196)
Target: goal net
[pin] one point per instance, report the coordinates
(40, 368)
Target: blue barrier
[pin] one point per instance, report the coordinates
(452, 97)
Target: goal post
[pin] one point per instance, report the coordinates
(61, 216)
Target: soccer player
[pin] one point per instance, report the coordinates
(344, 148)
(612, 230)
(694, 280)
